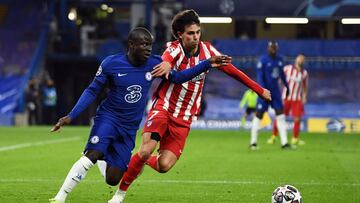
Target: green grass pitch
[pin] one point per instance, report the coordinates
(216, 166)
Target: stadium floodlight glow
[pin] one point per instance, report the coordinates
(72, 14)
(104, 7)
(110, 10)
(215, 20)
(350, 21)
(286, 20)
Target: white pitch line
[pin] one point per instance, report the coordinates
(195, 182)
(32, 144)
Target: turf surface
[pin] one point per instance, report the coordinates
(216, 166)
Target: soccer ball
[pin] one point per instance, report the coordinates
(286, 194)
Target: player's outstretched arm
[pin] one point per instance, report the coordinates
(62, 121)
(235, 73)
(179, 77)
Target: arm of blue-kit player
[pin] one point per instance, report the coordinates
(179, 77)
(86, 98)
(283, 80)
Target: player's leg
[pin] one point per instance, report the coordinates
(137, 162)
(287, 107)
(136, 165)
(272, 138)
(281, 125)
(297, 112)
(243, 120)
(77, 172)
(261, 107)
(277, 104)
(172, 145)
(95, 149)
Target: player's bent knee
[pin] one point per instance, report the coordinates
(113, 176)
(93, 155)
(113, 181)
(165, 166)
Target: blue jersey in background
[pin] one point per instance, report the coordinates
(269, 71)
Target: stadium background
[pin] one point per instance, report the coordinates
(66, 40)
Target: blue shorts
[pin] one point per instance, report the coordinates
(114, 141)
(276, 103)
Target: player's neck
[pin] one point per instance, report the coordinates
(133, 60)
(189, 51)
(298, 67)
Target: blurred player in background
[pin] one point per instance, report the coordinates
(176, 105)
(117, 119)
(249, 100)
(297, 78)
(269, 72)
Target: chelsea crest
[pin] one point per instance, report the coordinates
(148, 76)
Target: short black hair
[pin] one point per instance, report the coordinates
(183, 18)
(138, 33)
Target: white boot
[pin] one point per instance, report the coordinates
(118, 197)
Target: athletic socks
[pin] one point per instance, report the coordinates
(102, 167)
(135, 167)
(296, 129)
(75, 175)
(153, 162)
(281, 125)
(254, 130)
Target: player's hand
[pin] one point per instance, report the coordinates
(266, 95)
(62, 121)
(162, 69)
(218, 61)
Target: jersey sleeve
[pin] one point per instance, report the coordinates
(238, 75)
(213, 50)
(91, 92)
(179, 77)
(171, 53)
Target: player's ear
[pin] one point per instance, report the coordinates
(179, 34)
(130, 44)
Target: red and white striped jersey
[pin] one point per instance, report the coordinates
(183, 100)
(297, 81)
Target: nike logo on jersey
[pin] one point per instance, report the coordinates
(119, 74)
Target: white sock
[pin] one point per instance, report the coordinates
(281, 125)
(75, 175)
(254, 130)
(102, 167)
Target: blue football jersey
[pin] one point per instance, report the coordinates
(269, 71)
(129, 85)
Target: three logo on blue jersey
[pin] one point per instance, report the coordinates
(134, 94)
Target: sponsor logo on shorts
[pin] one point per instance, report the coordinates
(94, 139)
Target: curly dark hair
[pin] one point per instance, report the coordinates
(183, 18)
